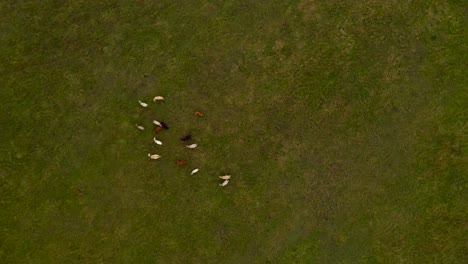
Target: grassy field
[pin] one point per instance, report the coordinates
(343, 124)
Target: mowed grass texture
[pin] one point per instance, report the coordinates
(343, 124)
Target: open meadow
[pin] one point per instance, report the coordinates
(342, 123)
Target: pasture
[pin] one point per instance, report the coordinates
(342, 123)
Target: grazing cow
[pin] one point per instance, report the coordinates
(192, 146)
(158, 129)
(225, 177)
(154, 156)
(181, 162)
(156, 123)
(157, 141)
(199, 114)
(140, 127)
(194, 171)
(164, 125)
(158, 98)
(224, 183)
(186, 138)
(142, 104)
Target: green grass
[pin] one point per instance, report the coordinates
(343, 124)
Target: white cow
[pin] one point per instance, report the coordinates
(224, 183)
(225, 177)
(142, 103)
(157, 141)
(154, 156)
(158, 98)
